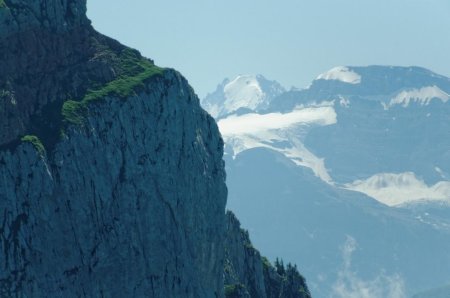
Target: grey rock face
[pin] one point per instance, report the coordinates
(243, 264)
(247, 274)
(128, 205)
(118, 189)
(50, 53)
(57, 15)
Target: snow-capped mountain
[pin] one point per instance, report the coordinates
(369, 129)
(252, 92)
(328, 163)
(341, 73)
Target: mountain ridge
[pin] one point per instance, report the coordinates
(252, 92)
(113, 181)
(323, 108)
(352, 175)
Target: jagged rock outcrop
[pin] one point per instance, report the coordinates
(112, 182)
(119, 188)
(50, 53)
(247, 274)
(57, 16)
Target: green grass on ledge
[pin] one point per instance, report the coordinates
(35, 141)
(73, 111)
(135, 70)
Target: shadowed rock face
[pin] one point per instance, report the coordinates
(50, 53)
(55, 15)
(132, 205)
(247, 274)
(127, 203)
(112, 182)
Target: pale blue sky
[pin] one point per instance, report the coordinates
(291, 41)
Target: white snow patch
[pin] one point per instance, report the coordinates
(423, 96)
(395, 189)
(258, 123)
(266, 130)
(341, 73)
(243, 91)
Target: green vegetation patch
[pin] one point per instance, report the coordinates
(35, 141)
(2, 4)
(73, 112)
(134, 71)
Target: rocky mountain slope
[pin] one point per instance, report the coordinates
(247, 274)
(112, 182)
(350, 176)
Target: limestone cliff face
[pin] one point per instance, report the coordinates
(55, 15)
(112, 182)
(129, 205)
(120, 192)
(49, 53)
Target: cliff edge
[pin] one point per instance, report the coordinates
(112, 182)
(249, 275)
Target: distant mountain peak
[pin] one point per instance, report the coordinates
(341, 73)
(252, 92)
(382, 78)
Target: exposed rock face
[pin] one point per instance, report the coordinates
(247, 274)
(131, 205)
(112, 182)
(129, 202)
(50, 53)
(55, 15)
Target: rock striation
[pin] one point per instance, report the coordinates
(111, 175)
(130, 205)
(50, 53)
(112, 182)
(57, 16)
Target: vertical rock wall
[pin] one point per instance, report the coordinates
(130, 204)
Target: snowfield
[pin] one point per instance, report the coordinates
(341, 73)
(423, 96)
(270, 130)
(397, 189)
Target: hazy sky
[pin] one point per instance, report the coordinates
(291, 41)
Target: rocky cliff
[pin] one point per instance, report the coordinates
(111, 175)
(112, 182)
(247, 274)
(50, 54)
